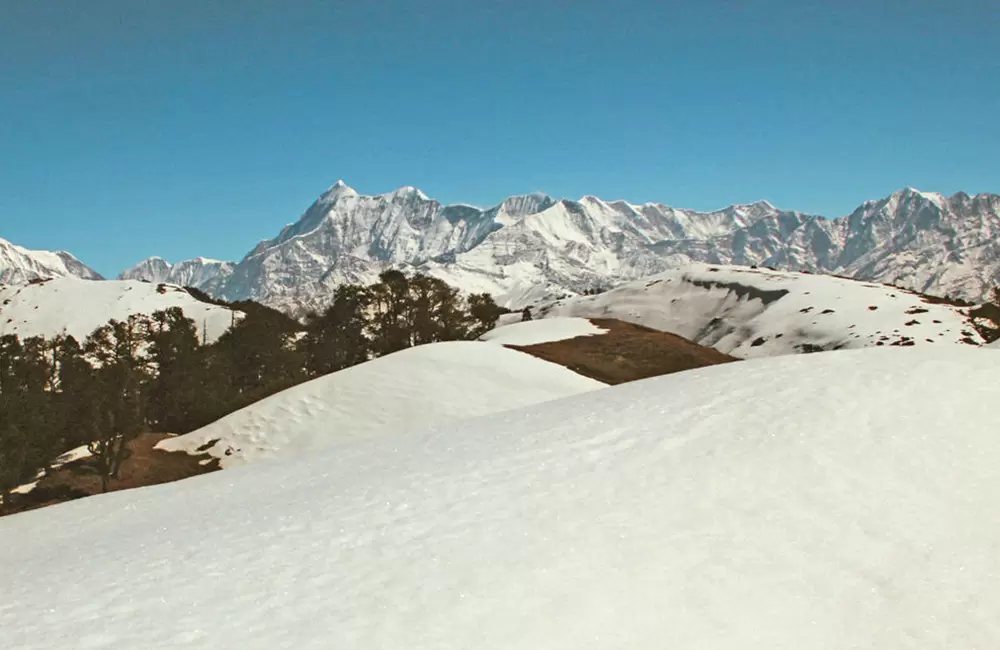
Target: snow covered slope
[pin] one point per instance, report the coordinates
(77, 307)
(429, 384)
(534, 247)
(534, 332)
(19, 265)
(200, 273)
(750, 312)
(842, 500)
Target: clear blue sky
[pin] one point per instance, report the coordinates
(199, 127)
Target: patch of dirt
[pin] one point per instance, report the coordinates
(144, 466)
(627, 352)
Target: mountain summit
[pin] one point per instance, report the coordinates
(19, 265)
(201, 272)
(533, 247)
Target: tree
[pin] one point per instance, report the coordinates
(339, 337)
(257, 357)
(17, 465)
(29, 425)
(484, 313)
(174, 355)
(117, 409)
(389, 309)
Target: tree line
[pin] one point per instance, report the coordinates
(153, 372)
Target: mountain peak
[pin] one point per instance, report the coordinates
(405, 192)
(338, 190)
(934, 197)
(19, 265)
(523, 260)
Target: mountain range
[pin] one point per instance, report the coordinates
(534, 247)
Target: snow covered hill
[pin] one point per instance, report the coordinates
(437, 383)
(77, 307)
(19, 265)
(841, 500)
(534, 247)
(750, 312)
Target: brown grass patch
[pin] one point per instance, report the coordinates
(144, 466)
(627, 352)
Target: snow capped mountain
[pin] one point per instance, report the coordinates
(19, 265)
(534, 247)
(201, 272)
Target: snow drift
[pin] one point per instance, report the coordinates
(838, 500)
(77, 307)
(749, 312)
(428, 384)
(534, 332)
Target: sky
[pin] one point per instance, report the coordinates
(182, 128)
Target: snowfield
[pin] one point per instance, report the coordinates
(430, 384)
(751, 313)
(78, 307)
(534, 332)
(838, 500)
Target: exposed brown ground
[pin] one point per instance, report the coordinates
(627, 352)
(145, 466)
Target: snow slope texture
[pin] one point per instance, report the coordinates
(533, 332)
(429, 384)
(77, 307)
(831, 501)
(749, 312)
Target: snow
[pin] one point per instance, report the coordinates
(994, 344)
(78, 307)
(757, 312)
(429, 384)
(934, 197)
(19, 264)
(839, 500)
(534, 332)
